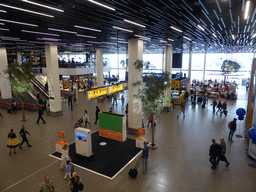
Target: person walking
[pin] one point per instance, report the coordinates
(122, 99)
(40, 113)
(68, 170)
(144, 157)
(47, 185)
(74, 181)
(224, 109)
(23, 133)
(232, 129)
(114, 99)
(97, 114)
(13, 141)
(222, 156)
(214, 103)
(214, 153)
(86, 118)
(182, 109)
(70, 100)
(219, 107)
(64, 157)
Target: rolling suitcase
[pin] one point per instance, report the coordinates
(134, 172)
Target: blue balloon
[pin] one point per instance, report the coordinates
(252, 134)
(240, 112)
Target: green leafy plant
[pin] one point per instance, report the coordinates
(151, 95)
(229, 66)
(21, 82)
(138, 64)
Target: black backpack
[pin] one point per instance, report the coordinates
(80, 187)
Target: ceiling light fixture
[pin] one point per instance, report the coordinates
(100, 4)
(24, 44)
(142, 37)
(93, 42)
(187, 38)
(119, 28)
(40, 33)
(254, 35)
(48, 39)
(2, 29)
(247, 9)
(170, 39)
(3, 11)
(64, 31)
(25, 10)
(109, 43)
(20, 23)
(117, 38)
(200, 27)
(87, 28)
(41, 5)
(233, 37)
(176, 29)
(128, 21)
(86, 36)
(163, 41)
(213, 34)
(122, 42)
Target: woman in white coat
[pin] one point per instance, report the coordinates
(64, 156)
(86, 118)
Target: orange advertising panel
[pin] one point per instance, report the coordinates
(61, 134)
(142, 131)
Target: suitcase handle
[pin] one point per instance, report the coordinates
(137, 163)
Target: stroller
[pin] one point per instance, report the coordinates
(79, 123)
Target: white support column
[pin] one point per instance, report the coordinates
(204, 63)
(99, 61)
(19, 58)
(189, 67)
(4, 78)
(168, 68)
(51, 53)
(135, 52)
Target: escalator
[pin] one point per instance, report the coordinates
(38, 88)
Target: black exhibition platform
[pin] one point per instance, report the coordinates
(108, 159)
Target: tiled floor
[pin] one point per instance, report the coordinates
(180, 163)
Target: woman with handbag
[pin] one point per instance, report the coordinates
(75, 181)
(13, 141)
(64, 157)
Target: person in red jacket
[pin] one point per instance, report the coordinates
(150, 120)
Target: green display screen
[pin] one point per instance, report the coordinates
(111, 122)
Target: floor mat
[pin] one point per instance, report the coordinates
(108, 159)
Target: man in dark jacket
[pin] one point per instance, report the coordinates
(24, 136)
(214, 152)
(97, 114)
(40, 113)
(232, 129)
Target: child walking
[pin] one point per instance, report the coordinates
(68, 170)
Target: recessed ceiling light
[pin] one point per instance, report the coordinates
(40, 33)
(143, 38)
(86, 36)
(3, 11)
(64, 31)
(187, 38)
(41, 5)
(20, 23)
(176, 29)
(119, 28)
(109, 43)
(128, 21)
(91, 29)
(163, 41)
(200, 27)
(214, 35)
(100, 4)
(25, 10)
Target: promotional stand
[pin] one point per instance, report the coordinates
(83, 142)
(141, 139)
(60, 143)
